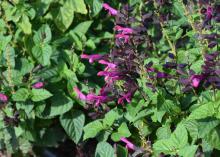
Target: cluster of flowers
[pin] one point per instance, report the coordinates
(120, 63)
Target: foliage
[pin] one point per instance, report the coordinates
(152, 77)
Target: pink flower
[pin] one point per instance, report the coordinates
(111, 10)
(123, 37)
(80, 95)
(3, 98)
(123, 30)
(92, 58)
(129, 145)
(38, 85)
(195, 80)
(108, 73)
(110, 65)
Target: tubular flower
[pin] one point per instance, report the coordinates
(111, 10)
(123, 30)
(92, 58)
(110, 65)
(80, 95)
(3, 98)
(129, 145)
(38, 85)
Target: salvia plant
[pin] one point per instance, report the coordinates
(110, 78)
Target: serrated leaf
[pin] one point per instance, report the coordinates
(42, 53)
(213, 138)
(21, 94)
(188, 151)
(110, 117)
(60, 104)
(43, 35)
(73, 123)
(65, 16)
(82, 27)
(25, 24)
(79, 6)
(92, 129)
(203, 111)
(104, 149)
(40, 94)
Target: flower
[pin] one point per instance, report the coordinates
(111, 10)
(123, 30)
(195, 80)
(80, 95)
(38, 85)
(3, 98)
(110, 65)
(92, 58)
(129, 145)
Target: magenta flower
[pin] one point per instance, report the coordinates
(80, 95)
(3, 98)
(110, 65)
(109, 73)
(195, 80)
(111, 10)
(92, 58)
(97, 99)
(123, 30)
(129, 145)
(38, 85)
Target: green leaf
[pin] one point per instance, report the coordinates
(24, 66)
(25, 24)
(206, 125)
(65, 16)
(110, 117)
(21, 94)
(177, 140)
(82, 27)
(79, 6)
(26, 106)
(203, 111)
(60, 104)
(42, 53)
(196, 66)
(43, 35)
(123, 131)
(40, 94)
(121, 151)
(188, 151)
(9, 56)
(73, 123)
(163, 132)
(213, 138)
(92, 129)
(96, 7)
(14, 76)
(104, 149)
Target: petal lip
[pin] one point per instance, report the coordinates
(111, 10)
(38, 85)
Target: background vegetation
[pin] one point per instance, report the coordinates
(174, 111)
